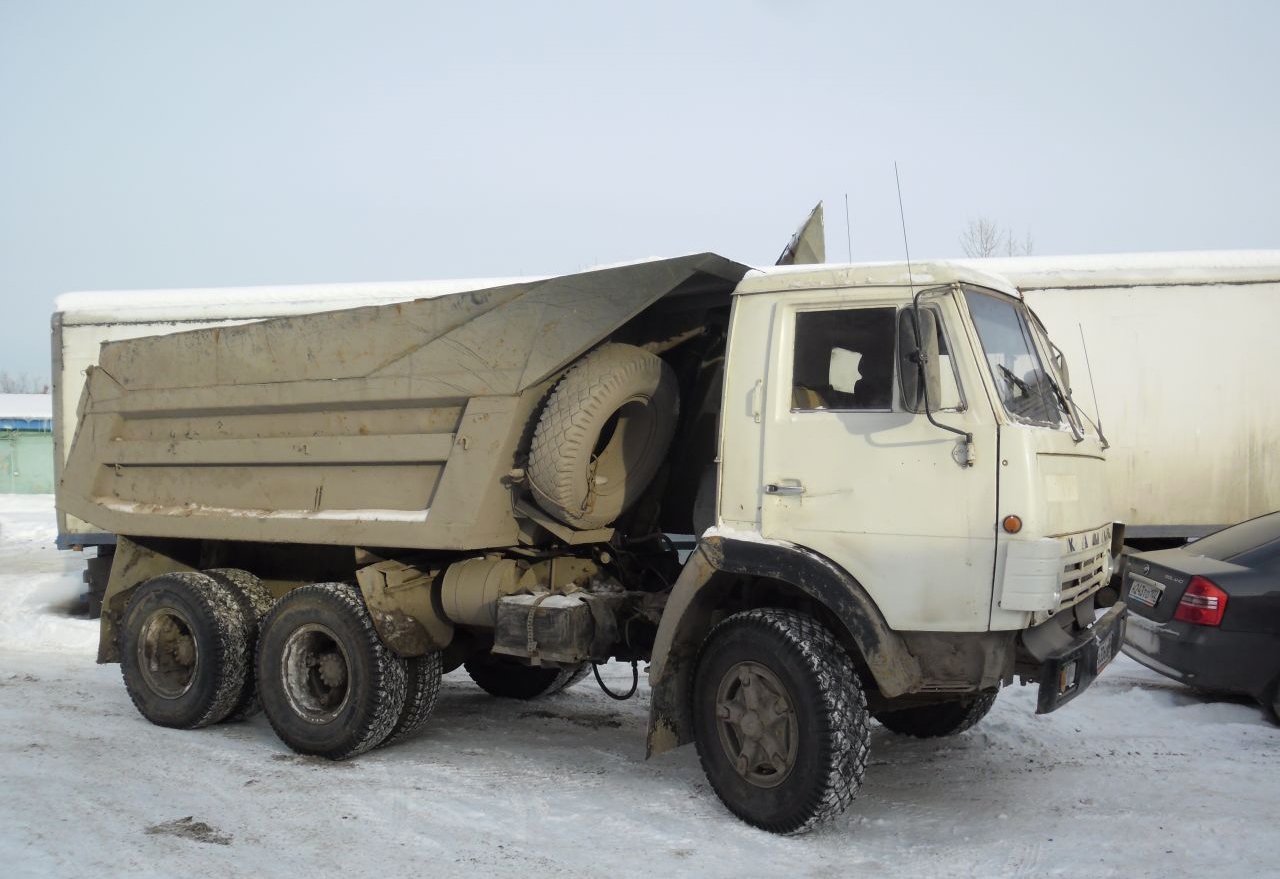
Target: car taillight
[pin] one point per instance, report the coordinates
(1202, 604)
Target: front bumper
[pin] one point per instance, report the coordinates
(1069, 671)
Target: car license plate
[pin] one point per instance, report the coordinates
(1144, 591)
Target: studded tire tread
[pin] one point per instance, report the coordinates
(834, 723)
(421, 691)
(255, 602)
(225, 651)
(383, 674)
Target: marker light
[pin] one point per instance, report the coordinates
(1012, 524)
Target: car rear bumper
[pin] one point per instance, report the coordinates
(1203, 656)
(1068, 672)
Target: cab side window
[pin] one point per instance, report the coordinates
(843, 359)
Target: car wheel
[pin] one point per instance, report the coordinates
(1271, 702)
(184, 650)
(328, 684)
(780, 720)
(940, 719)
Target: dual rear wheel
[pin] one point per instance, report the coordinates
(201, 648)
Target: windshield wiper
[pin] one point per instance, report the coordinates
(1068, 407)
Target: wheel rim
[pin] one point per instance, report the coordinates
(757, 724)
(316, 673)
(168, 653)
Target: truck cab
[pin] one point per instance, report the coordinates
(826, 445)
(899, 450)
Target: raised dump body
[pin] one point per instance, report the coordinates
(392, 425)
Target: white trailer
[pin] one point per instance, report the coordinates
(1184, 359)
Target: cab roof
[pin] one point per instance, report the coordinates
(933, 273)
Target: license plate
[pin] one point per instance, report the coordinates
(1144, 591)
(1106, 650)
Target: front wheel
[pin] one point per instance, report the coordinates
(780, 720)
(327, 683)
(940, 719)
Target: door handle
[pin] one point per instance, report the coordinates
(785, 487)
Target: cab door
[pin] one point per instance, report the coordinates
(851, 474)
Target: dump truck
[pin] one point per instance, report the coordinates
(896, 509)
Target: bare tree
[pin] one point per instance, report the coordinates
(21, 384)
(984, 237)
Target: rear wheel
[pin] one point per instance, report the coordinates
(255, 602)
(780, 720)
(422, 689)
(184, 650)
(328, 684)
(509, 678)
(938, 720)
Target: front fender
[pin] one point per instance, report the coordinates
(712, 568)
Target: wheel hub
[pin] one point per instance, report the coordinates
(168, 653)
(316, 672)
(757, 724)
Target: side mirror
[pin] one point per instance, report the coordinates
(911, 356)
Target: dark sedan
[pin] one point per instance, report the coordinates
(1208, 613)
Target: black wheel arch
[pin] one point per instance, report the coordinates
(726, 575)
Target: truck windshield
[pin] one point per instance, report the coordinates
(1025, 390)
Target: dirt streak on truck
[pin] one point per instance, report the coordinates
(898, 509)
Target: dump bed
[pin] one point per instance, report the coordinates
(394, 425)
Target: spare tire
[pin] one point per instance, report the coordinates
(603, 434)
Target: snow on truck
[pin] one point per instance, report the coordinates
(899, 511)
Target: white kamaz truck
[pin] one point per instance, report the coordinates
(899, 510)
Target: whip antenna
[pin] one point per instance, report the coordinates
(902, 215)
(848, 230)
(1088, 367)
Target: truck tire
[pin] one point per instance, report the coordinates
(421, 691)
(780, 720)
(509, 678)
(602, 435)
(328, 685)
(255, 601)
(184, 651)
(938, 720)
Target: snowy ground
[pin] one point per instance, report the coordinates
(1137, 778)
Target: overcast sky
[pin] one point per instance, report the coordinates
(162, 144)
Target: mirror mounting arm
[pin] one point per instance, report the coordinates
(921, 360)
